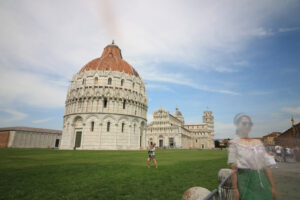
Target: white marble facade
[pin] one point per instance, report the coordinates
(106, 106)
(170, 131)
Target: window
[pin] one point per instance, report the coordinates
(132, 85)
(123, 125)
(124, 104)
(109, 81)
(105, 102)
(92, 126)
(96, 80)
(134, 128)
(83, 81)
(108, 126)
(196, 141)
(122, 82)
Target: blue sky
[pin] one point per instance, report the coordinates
(232, 56)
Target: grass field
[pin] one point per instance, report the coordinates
(54, 174)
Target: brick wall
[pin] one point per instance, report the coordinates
(4, 136)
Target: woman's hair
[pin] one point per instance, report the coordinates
(239, 116)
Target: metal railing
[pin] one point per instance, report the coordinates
(224, 191)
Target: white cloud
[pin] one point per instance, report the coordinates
(292, 110)
(60, 38)
(261, 32)
(159, 87)
(152, 73)
(14, 116)
(40, 121)
(241, 63)
(289, 29)
(225, 69)
(24, 88)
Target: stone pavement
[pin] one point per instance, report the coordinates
(287, 180)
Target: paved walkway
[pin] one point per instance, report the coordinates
(287, 180)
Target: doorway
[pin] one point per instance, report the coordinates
(78, 139)
(171, 143)
(56, 143)
(161, 143)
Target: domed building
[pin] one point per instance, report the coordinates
(106, 105)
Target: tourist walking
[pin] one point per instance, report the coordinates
(151, 155)
(284, 153)
(278, 151)
(251, 176)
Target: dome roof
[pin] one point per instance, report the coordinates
(177, 113)
(111, 59)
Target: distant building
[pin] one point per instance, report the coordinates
(27, 137)
(224, 143)
(269, 140)
(257, 138)
(290, 137)
(170, 131)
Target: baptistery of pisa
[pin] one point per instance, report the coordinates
(106, 105)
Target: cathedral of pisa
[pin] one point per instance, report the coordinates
(106, 108)
(170, 131)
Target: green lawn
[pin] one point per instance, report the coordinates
(54, 174)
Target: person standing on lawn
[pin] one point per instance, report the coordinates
(151, 155)
(251, 176)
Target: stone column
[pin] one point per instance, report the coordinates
(226, 190)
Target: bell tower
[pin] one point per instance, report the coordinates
(208, 118)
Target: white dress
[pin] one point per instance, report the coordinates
(249, 156)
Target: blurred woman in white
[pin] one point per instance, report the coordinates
(251, 177)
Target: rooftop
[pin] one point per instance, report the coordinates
(111, 59)
(30, 129)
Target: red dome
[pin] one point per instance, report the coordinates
(111, 59)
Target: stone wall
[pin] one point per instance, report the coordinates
(26, 139)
